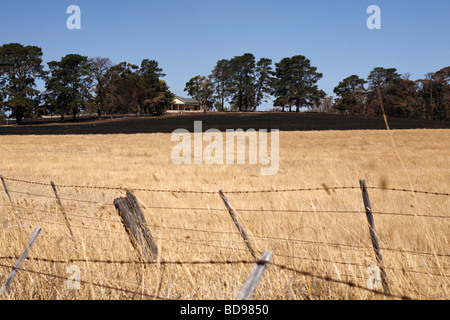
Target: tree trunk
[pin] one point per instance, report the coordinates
(19, 115)
(429, 116)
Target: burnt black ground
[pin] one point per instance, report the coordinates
(283, 121)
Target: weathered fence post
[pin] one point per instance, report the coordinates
(238, 225)
(19, 262)
(255, 277)
(136, 227)
(6, 190)
(62, 210)
(373, 236)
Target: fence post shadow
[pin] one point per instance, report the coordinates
(373, 236)
(63, 212)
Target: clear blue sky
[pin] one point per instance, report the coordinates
(188, 37)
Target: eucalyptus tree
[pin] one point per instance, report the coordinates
(99, 66)
(221, 80)
(201, 88)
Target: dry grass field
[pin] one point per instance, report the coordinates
(319, 238)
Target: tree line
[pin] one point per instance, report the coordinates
(245, 83)
(78, 84)
(427, 98)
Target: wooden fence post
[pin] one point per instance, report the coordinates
(238, 225)
(63, 211)
(373, 236)
(136, 227)
(255, 277)
(19, 262)
(6, 190)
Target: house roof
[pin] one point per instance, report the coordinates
(187, 100)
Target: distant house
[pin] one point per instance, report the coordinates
(184, 104)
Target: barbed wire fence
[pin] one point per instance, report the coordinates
(80, 213)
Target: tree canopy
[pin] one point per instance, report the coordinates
(78, 84)
(427, 98)
(296, 83)
(68, 85)
(20, 66)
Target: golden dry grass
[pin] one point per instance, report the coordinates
(323, 234)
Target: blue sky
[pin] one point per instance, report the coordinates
(188, 37)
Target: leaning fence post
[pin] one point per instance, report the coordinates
(238, 225)
(136, 227)
(255, 277)
(373, 235)
(62, 210)
(19, 262)
(6, 190)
